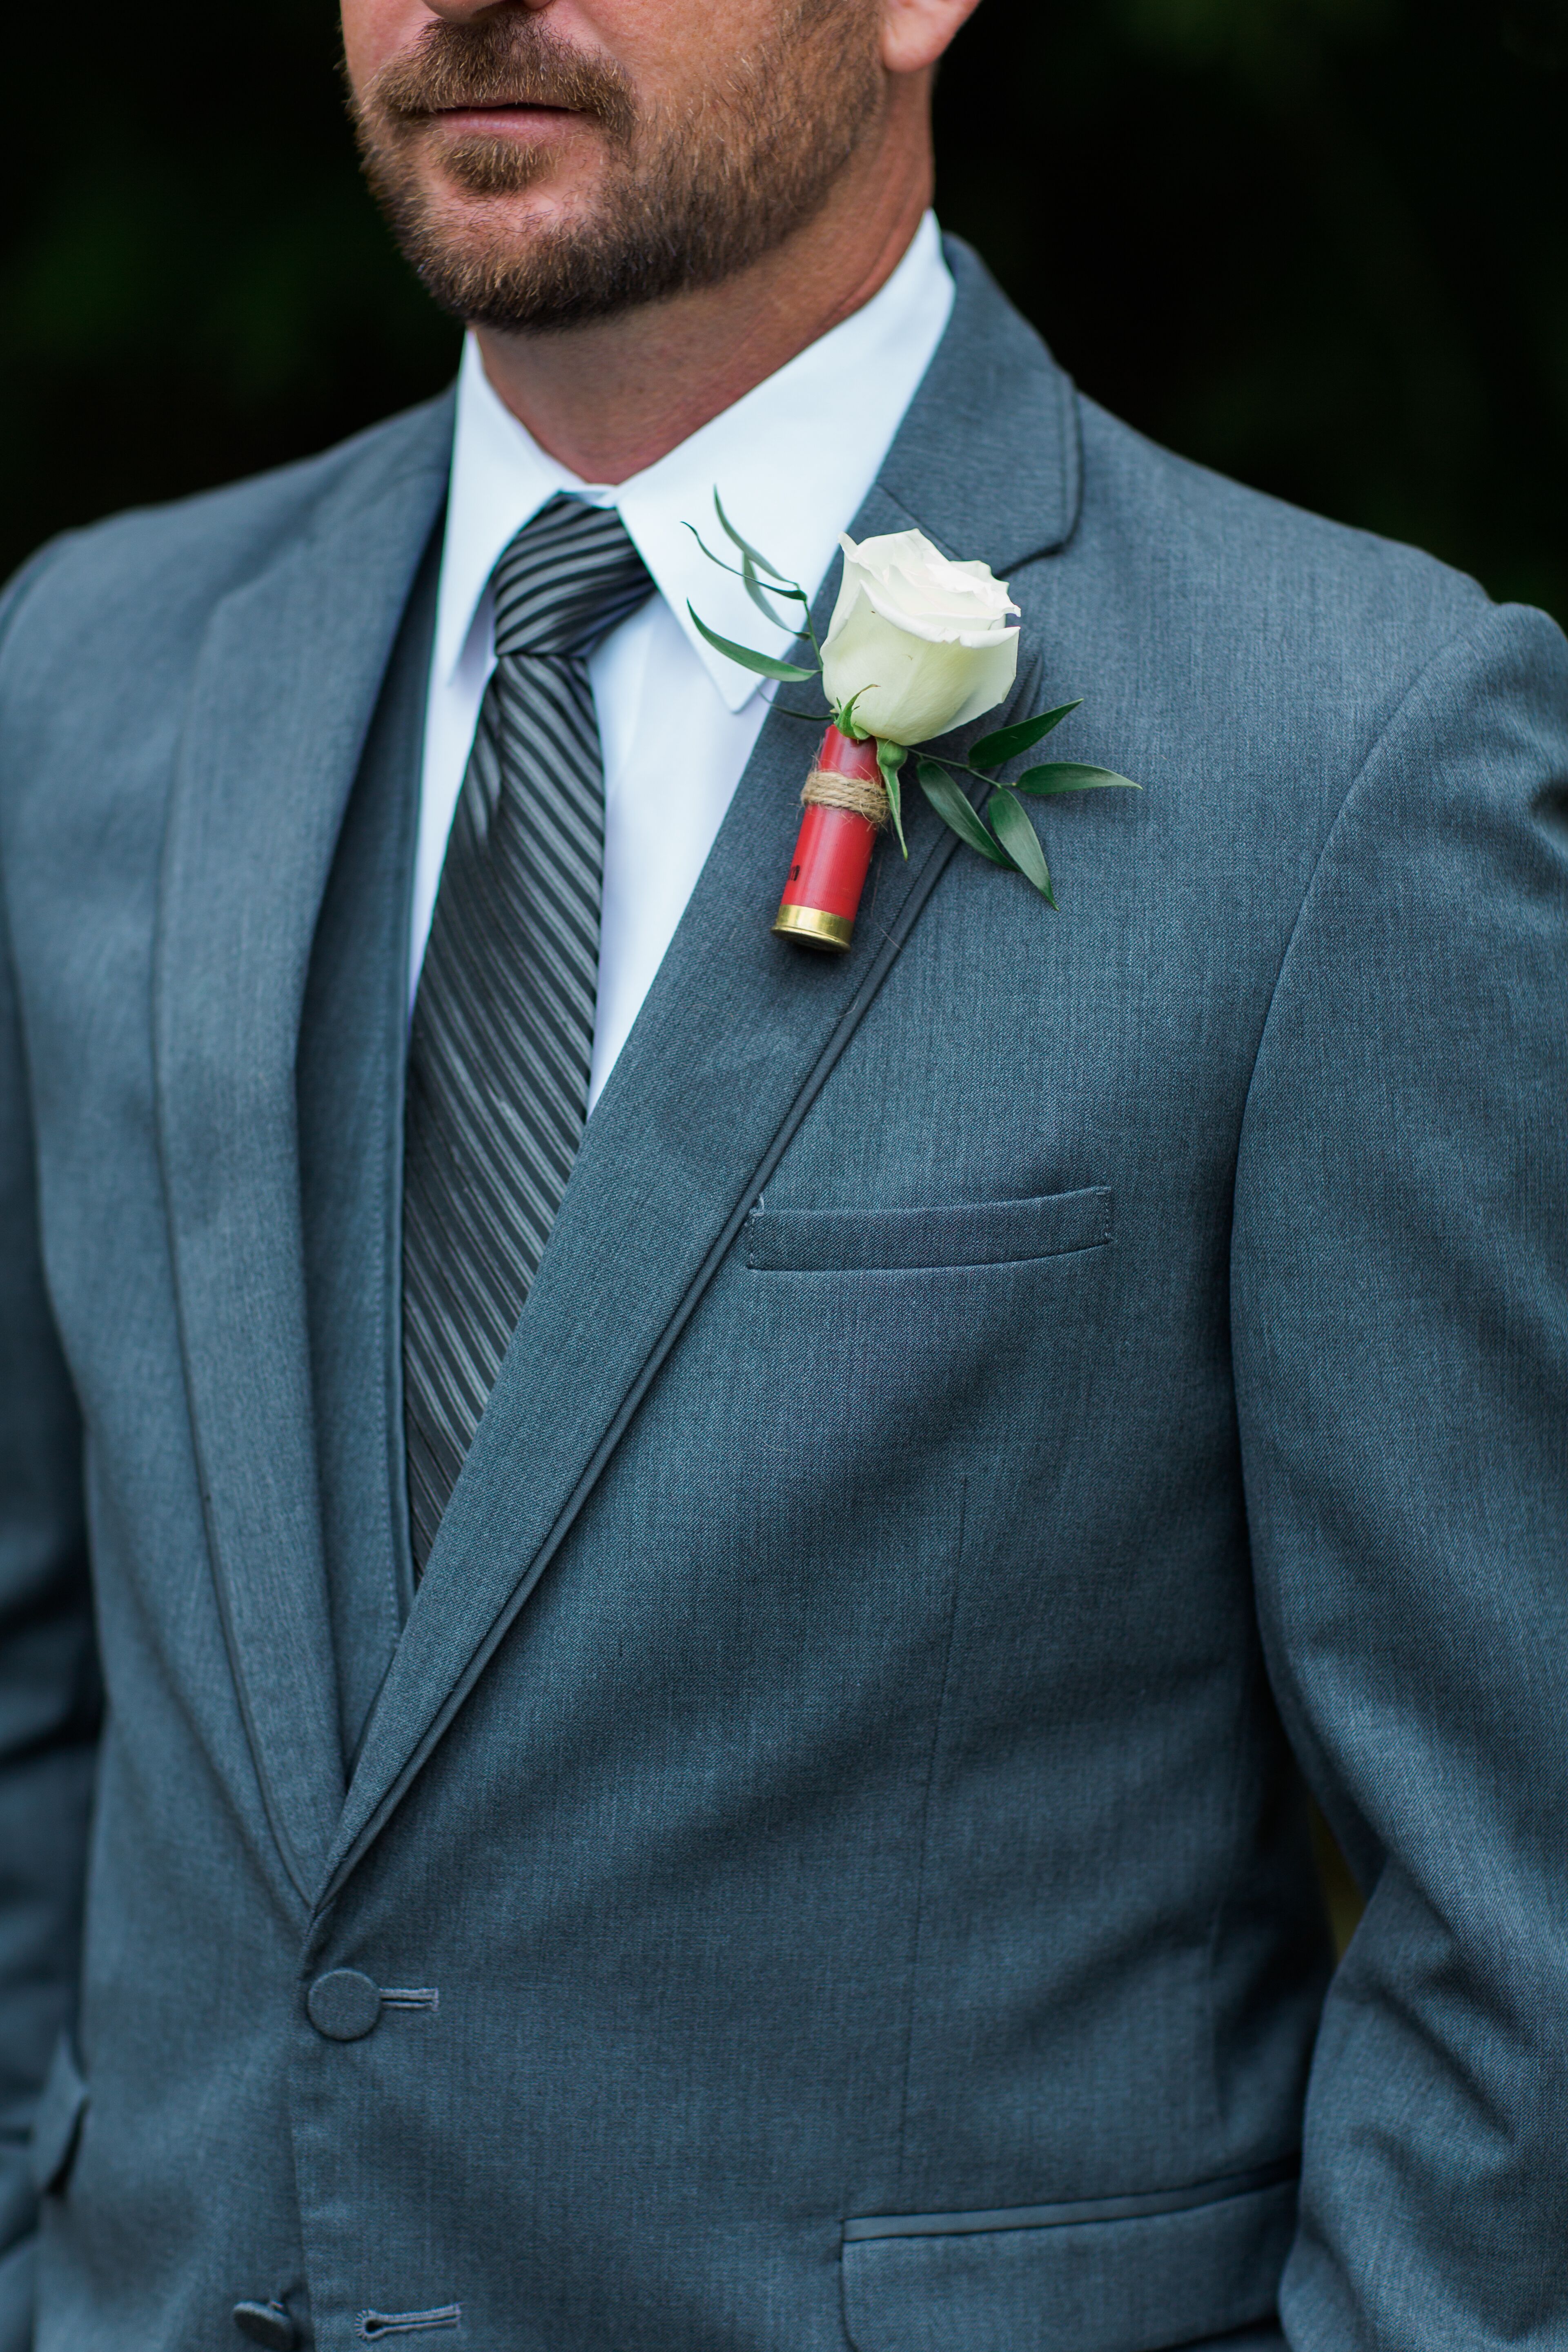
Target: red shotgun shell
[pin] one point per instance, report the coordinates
(832, 854)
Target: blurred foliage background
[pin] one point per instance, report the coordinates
(1318, 244)
(1321, 244)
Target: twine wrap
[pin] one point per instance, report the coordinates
(824, 788)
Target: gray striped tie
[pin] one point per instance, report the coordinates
(503, 1022)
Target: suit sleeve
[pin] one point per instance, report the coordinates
(49, 1680)
(1400, 1325)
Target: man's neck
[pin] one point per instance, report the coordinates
(611, 398)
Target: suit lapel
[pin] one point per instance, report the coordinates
(283, 696)
(348, 1082)
(735, 1037)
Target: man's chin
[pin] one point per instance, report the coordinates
(517, 261)
(487, 169)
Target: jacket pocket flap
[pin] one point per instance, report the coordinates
(978, 1232)
(1011, 2282)
(56, 2118)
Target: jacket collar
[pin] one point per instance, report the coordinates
(988, 461)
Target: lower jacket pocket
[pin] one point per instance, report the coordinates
(57, 2119)
(1119, 2274)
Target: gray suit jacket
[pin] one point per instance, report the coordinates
(822, 1858)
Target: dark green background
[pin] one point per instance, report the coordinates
(1319, 244)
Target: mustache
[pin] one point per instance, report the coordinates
(507, 60)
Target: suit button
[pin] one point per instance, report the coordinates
(344, 2005)
(264, 2323)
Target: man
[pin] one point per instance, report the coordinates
(736, 1779)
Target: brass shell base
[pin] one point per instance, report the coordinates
(809, 927)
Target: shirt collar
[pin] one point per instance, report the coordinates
(793, 462)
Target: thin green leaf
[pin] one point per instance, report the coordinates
(1071, 776)
(995, 750)
(890, 757)
(733, 569)
(764, 664)
(746, 572)
(758, 594)
(955, 812)
(1010, 821)
(745, 546)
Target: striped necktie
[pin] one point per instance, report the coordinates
(502, 1037)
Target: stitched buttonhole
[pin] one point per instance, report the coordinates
(374, 2325)
(412, 1997)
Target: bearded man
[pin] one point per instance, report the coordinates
(737, 1779)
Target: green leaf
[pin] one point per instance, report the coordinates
(746, 572)
(745, 546)
(1070, 776)
(955, 812)
(764, 664)
(890, 757)
(995, 750)
(758, 594)
(844, 716)
(733, 569)
(1010, 820)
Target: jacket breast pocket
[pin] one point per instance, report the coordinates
(976, 1232)
(1120, 2275)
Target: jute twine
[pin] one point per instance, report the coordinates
(826, 789)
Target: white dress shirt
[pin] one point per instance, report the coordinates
(792, 461)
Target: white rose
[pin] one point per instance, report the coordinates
(924, 642)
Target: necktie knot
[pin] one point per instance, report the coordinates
(567, 580)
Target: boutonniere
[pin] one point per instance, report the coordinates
(918, 645)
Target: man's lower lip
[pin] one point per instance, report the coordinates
(503, 119)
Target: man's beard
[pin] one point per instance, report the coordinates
(684, 199)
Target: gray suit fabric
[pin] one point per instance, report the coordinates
(995, 1413)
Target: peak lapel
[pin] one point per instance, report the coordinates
(283, 696)
(736, 1035)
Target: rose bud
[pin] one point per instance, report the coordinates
(918, 642)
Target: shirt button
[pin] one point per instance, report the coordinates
(344, 2005)
(264, 2323)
